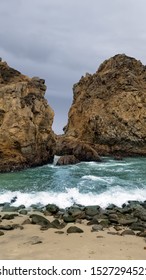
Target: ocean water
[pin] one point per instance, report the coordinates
(87, 183)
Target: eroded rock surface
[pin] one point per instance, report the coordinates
(76, 148)
(26, 136)
(109, 108)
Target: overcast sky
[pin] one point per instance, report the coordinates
(61, 40)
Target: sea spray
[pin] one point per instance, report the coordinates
(87, 183)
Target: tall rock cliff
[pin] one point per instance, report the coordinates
(26, 136)
(109, 108)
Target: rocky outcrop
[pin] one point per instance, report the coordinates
(26, 136)
(107, 116)
(75, 149)
(109, 108)
(67, 159)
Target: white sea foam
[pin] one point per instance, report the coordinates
(86, 183)
(55, 160)
(100, 179)
(93, 178)
(115, 195)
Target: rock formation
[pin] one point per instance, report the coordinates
(75, 149)
(107, 116)
(67, 159)
(109, 108)
(26, 136)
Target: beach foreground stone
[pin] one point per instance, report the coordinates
(87, 234)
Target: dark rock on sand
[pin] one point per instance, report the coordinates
(57, 224)
(113, 218)
(128, 232)
(92, 210)
(97, 227)
(74, 229)
(68, 218)
(138, 226)
(141, 214)
(93, 222)
(142, 234)
(59, 232)
(76, 212)
(8, 208)
(113, 233)
(111, 207)
(127, 222)
(104, 222)
(23, 212)
(39, 220)
(6, 227)
(52, 208)
(9, 216)
(26, 222)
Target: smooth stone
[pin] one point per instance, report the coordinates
(52, 208)
(39, 220)
(26, 222)
(104, 222)
(141, 214)
(113, 233)
(92, 210)
(139, 226)
(23, 212)
(74, 229)
(127, 222)
(97, 228)
(7, 227)
(9, 216)
(76, 212)
(141, 234)
(128, 232)
(56, 224)
(8, 208)
(68, 218)
(93, 222)
(113, 218)
(111, 207)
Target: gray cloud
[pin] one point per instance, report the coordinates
(62, 40)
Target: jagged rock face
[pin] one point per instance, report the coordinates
(67, 159)
(69, 146)
(109, 108)
(26, 137)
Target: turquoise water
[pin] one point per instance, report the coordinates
(90, 183)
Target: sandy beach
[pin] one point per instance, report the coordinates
(31, 243)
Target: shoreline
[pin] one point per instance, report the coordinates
(115, 156)
(77, 233)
